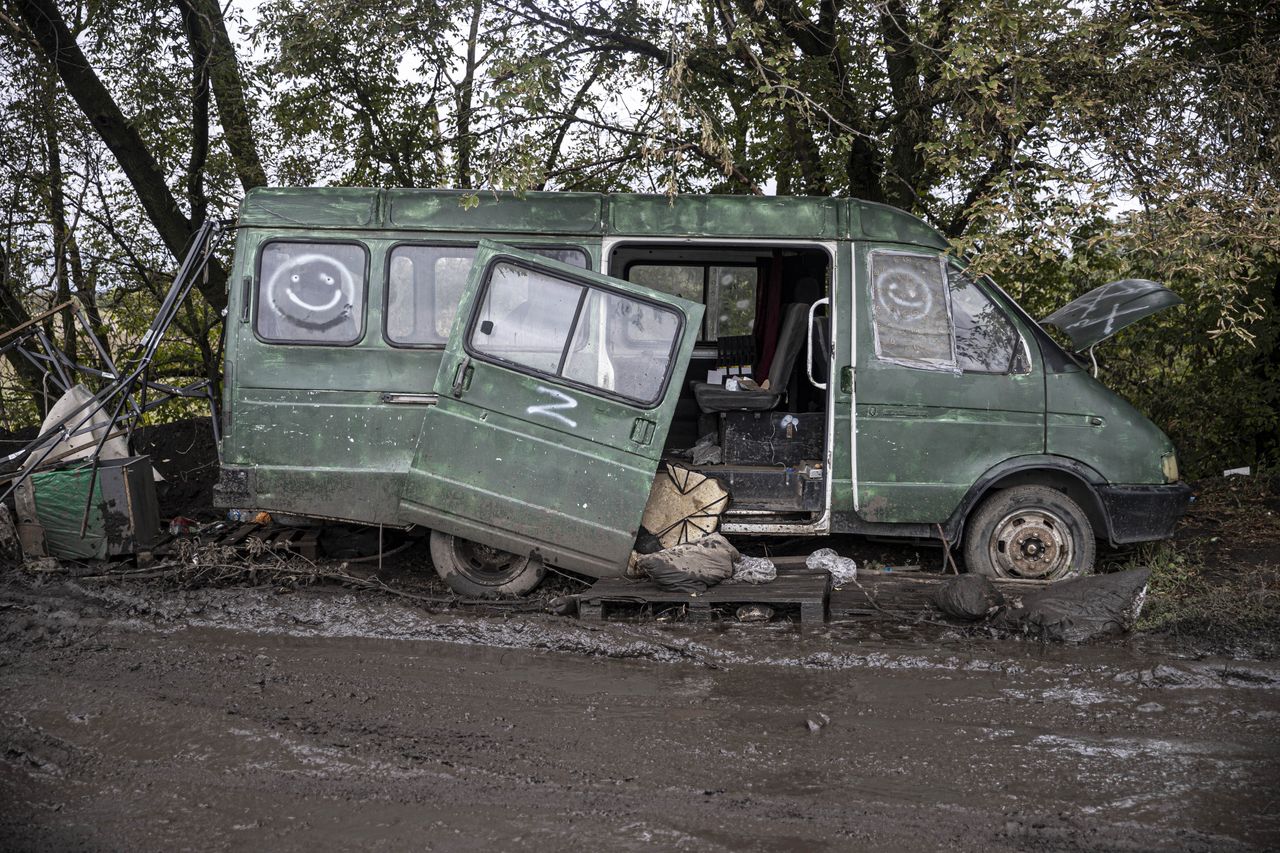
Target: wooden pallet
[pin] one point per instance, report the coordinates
(303, 541)
(805, 591)
(906, 594)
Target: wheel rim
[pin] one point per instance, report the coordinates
(485, 565)
(1031, 543)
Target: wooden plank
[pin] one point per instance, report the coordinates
(238, 536)
(804, 590)
(308, 545)
(282, 539)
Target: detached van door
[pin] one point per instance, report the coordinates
(556, 392)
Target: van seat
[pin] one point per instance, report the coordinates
(714, 398)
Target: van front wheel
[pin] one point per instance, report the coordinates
(1032, 532)
(479, 571)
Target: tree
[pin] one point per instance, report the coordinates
(48, 33)
(1052, 141)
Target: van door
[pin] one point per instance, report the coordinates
(556, 391)
(946, 386)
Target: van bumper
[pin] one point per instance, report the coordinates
(1143, 513)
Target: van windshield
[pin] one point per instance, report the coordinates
(1056, 359)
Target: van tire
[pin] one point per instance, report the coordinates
(1030, 532)
(478, 571)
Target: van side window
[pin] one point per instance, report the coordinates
(622, 345)
(526, 318)
(425, 284)
(728, 291)
(585, 335)
(986, 341)
(909, 306)
(311, 293)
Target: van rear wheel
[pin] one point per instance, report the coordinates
(479, 571)
(1031, 532)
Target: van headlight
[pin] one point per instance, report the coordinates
(1169, 465)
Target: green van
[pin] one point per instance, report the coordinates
(510, 373)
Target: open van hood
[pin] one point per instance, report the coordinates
(1105, 310)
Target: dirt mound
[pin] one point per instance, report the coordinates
(185, 454)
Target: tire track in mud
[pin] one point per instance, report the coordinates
(349, 615)
(242, 717)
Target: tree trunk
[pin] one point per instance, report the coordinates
(864, 170)
(228, 91)
(88, 296)
(465, 95)
(13, 314)
(910, 121)
(136, 161)
(57, 218)
(199, 44)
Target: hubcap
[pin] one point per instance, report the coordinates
(1031, 543)
(486, 565)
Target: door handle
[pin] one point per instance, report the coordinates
(809, 349)
(642, 431)
(462, 376)
(399, 399)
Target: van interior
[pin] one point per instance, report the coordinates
(748, 413)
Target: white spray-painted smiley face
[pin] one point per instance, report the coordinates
(311, 290)
(903, 295)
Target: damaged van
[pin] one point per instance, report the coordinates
(511, 372)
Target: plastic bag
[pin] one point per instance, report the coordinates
(968, 597)
(753, 570)
(843, 570)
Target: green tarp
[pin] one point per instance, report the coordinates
(60, 497)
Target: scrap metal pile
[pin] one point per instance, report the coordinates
(80, 458)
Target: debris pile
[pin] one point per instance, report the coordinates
(59, 479)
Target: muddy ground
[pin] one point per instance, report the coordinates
(250, 718)
(223, 710)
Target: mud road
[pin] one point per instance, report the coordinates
(247, 719)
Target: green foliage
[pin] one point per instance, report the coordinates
(1060, 144)
(1216, 394)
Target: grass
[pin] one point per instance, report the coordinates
(1217, 584)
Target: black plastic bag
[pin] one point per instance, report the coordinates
(969, 597)
(1078, 610)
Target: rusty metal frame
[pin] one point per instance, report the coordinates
(125, 391)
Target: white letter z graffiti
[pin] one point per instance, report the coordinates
(552, 410)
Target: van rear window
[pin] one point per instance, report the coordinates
(311, 293)
(728, 291)
(426, 283)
